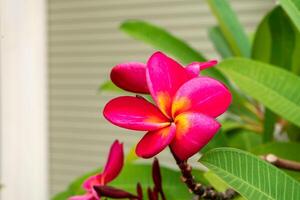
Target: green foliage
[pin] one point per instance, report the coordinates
(75, 188)
(275, 88)
(252, 177)
(292, 7)
(231, 28)
(273, 82)
(109, 86)
(219, 42)
(160, 39)
(244, 139)
(138, 173)
(277, 41)
(285, 150)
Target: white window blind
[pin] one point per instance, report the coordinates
(84, 43)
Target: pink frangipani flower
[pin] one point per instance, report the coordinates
(131, 76)
(111, 170)
(185, 109)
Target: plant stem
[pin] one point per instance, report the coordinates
(281, 163)
(198, 189)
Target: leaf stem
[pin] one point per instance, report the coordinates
(198, 189)
(281, 163)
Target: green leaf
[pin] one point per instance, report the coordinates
(292, 7)
(162, 40)
(269, 126)
(110, 87)
(231, 27)
(252, 177)
(62, 196)
(293, 132)
(215, 181)
(276, 41)
(243, 139)
(218, 183)
(285, 150)
(275, 88)
(131, 155)
(219, 42)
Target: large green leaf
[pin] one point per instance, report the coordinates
(292, 7)
(276, 88)
(252, 177)
(231, 27)
(219, 42)
(161, 39)
(276, 41)
(218, 183)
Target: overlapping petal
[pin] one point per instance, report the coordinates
(134, 113)
(130, 76)
(193, 131)
(155, 141)
(202, 94)
(114, 162)
(92, 181)
(195, 67)
(164, 77)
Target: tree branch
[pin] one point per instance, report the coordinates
(281, 163)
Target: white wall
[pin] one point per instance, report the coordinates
(23, 100)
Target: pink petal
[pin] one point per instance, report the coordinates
(134, 113)
(82, 197)
(195, 67)
(202, 94)
(193, 131)
(130, 76)
(90, 182)
(155, 141)
(114, 162)
(164, 77)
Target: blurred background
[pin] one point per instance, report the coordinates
(84, 43)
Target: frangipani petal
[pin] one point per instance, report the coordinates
(83, 197)
(164, 77)
(130, 76)
(134, 113)
(114, 162)
(202, 94)
(155, 141)
(193, 131)
(92, 181)
(195, 67)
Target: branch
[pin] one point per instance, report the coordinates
(281, 163)
(198, 189)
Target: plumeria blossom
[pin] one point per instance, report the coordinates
(111, 170)
(185, 108)
(131, 76)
